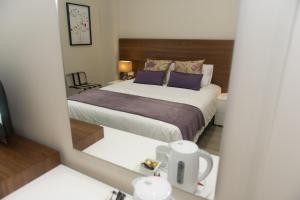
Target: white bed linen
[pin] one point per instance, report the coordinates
(205, 100)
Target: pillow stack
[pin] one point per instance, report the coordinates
(182, 74)
(190, 67)
(187, 74)
(154, 73)
(185, 80)
(157, 65)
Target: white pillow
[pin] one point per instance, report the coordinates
(207, 71)
(171, 68)
(168, 73)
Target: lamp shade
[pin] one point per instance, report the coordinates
(125, 66)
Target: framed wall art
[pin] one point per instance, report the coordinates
(79, 24)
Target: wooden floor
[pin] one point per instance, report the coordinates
(210, 140)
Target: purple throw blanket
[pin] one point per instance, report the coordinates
(189, 119)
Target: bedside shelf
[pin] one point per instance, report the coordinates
(85, 134)
(22, 161)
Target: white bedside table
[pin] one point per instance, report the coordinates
(63, 183)
(221, 109)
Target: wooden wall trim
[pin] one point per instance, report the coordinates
(217, 52)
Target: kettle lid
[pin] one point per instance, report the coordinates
(184, 147)
(152, 188)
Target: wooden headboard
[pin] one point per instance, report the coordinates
(216, 52)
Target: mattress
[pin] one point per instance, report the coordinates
(204, 99)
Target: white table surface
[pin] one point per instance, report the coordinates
(125, 149)
(63, 183)
(128, 150)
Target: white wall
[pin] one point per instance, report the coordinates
(98, 60)
(260, 134)
(181, 19)
(32, 73)
(283, 163)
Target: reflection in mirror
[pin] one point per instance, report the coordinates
(159, 108)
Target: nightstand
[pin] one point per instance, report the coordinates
(221, 109)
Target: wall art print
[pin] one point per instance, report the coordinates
(79, 24)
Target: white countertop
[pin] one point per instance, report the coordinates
(128, 150)
(63, 183)
(125, 149)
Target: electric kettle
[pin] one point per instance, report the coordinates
(183, 165)
(152, 188)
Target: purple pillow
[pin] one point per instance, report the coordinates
(185, 80)
(150, 77)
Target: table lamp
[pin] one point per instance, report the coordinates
(124, 67)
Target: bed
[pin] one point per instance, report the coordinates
(204, 99)
(217, 52)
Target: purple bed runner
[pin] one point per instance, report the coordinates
(189, 119)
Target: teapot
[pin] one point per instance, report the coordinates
(152, 188)
(184, 163)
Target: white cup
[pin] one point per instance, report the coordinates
(161, 154)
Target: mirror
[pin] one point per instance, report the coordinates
(153, 106)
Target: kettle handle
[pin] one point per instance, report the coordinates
(208, 158)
